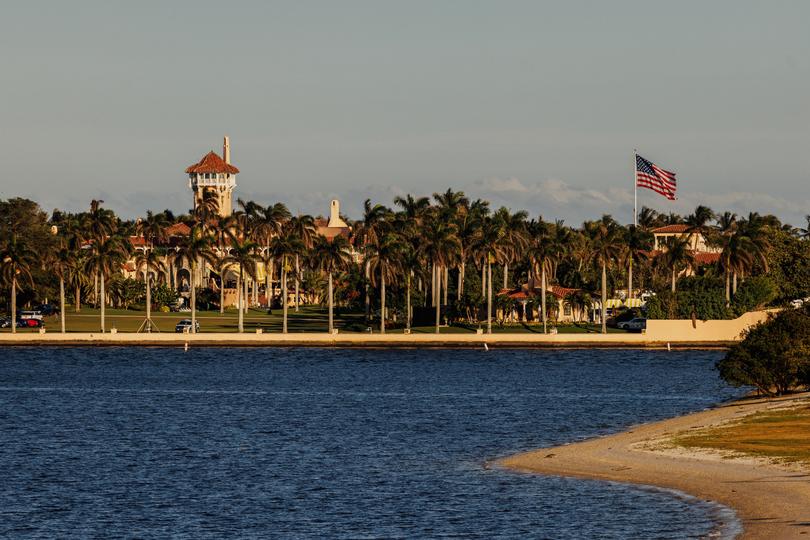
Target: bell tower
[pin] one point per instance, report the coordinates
(214, 176)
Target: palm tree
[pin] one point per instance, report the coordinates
(489, 247)
(284, 246)
(269, 223)
(195, 248)
(98, 224)
(677, 257)
(469, 223)
(638, 243)
(374, 223)
(107, 256)
(303, 228)
(648, 218)
(332, 256)
(543, 253)
(242, 253)
(152, 228)
(440, 245)
(513, 238)
(16, 260)
(605, 249)
(385, 258)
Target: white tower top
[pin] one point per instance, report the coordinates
(334, 215)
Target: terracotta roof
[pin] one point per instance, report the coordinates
(137, 241)
(212, 163)
(562, 292)
(331, 232)
(678, 228)
(178, 229)
(514, 294)
(706, 258)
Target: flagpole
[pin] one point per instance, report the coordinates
(635, 188)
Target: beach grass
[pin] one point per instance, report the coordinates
(307, 319)
(781, 434)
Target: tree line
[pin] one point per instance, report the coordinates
(448, 253)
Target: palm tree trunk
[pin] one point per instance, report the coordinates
(240, 286)
(331, 307)
(460, 290)
(62, 302)
(222, 291)
(543, 297)
(95, 288)
(284, 296)
(604, 298)
(272, 287)
(408, 300)
(728, 288)
(506, 275)
(78, 299)
(446, 283)
(368, 298)
(435, 298)
(103, 304)
(734, 283)
(245, 295)
(489, 297)
(193, 328)
(148, 300)
(297, 282)
(630, 279)
(382, 300)
(673, 279)
(13, 302)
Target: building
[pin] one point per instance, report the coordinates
(215, 175)
(704, 252)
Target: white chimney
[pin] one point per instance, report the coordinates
(334, 215)
(226, 150)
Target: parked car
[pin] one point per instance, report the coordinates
(184, 326)
(31, 314)
(5, 322)
(30, 323)
(638, 323)
(621, 317)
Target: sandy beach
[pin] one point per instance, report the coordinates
(771, 500)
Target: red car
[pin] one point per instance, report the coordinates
(30, 323)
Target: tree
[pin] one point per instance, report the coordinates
(440, 245)
(332, 256)
(374, 223)
(774, 356)
(638, 243)
(242, 253)
(194, 249)
(385, 258)
(16, 260)
(107, 256)
(677, 257)
(303, 229)
(605, 249)
(543, 253)
(284, 246)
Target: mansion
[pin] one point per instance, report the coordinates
(215, 174)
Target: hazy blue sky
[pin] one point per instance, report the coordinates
(534, 105)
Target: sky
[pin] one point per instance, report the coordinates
(532, 105)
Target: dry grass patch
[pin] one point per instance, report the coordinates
(781, 434)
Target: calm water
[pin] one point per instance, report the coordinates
(307, 443)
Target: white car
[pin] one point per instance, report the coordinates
(638, 323)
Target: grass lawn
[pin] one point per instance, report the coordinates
(308, 319)
(783, 435)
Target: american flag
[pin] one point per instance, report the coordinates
(651, 176)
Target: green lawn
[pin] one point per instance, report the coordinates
(308, 319)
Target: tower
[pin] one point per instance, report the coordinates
(214, 175)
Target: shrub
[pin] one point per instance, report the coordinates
(754, 293)
(703, 297)
(774, 356)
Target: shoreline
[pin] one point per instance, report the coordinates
(770, 500)
(472, 341)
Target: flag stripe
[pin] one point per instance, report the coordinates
(651, 176)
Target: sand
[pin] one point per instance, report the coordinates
(771, 500)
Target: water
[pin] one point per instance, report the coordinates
(310, 443)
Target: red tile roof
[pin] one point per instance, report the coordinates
(678, 228)
(211, 163)
(178, 229)
(562, 292)
(706, 258)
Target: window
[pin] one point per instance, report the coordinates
(567, 310)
